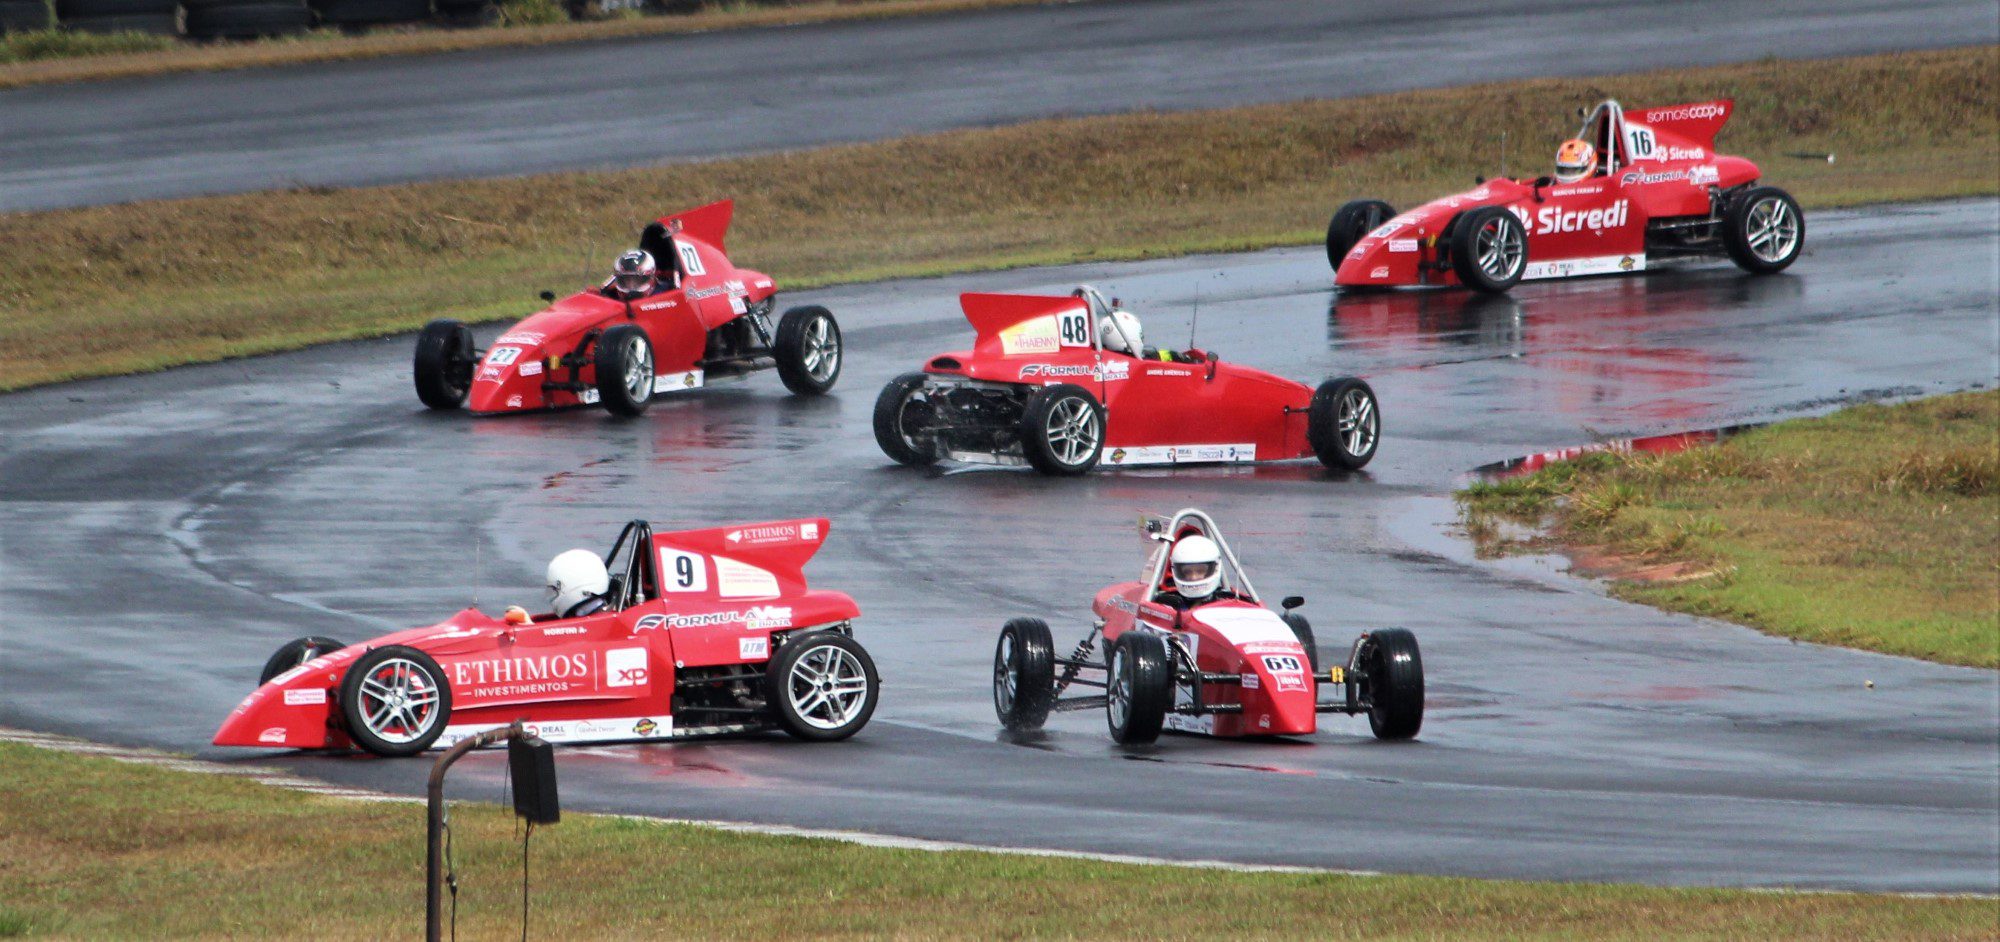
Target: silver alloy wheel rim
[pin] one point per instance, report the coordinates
(399, 700)
(1358, 422)
(1118, 700)
(1772, 229)
(822, 349)
(827, 687)
(639, 369)
(911, 441)
(1004, 682)
(1499, 248)
(1072, 430)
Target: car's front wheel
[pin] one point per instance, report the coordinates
(625, 370)
(1140, 688)
(1062, 430)
(395, 701)
(1489, 249)
(1024, 674)
(295, 652)
(807, 348)
(1395, 672)
(822, 686)
(443, 364)
(1351, 223)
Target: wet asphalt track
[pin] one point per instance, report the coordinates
(635, 102)
(160, 535)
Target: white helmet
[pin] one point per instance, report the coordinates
(1121, 333)
(1197, 565)
(575, 576)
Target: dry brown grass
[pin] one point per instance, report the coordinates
(91, 848)
(324, 46)
(157, 284)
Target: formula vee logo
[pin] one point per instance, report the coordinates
(755, 618)
(1108, 371)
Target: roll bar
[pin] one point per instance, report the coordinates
(1166, 530)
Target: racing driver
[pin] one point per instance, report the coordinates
(1196, 563)
(578, 583)
(1575, 159)
(634, 276)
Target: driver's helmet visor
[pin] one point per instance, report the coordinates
(1194, 573)
(635, 282)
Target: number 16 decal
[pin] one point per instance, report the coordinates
(682, 571)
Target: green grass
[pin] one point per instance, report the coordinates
(50, 44)
(99, 849)
(152, 285)
(1876, 527)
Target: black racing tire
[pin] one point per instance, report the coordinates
(1139, 687)
(295, 652)
(1744, 224)
(1489, 249)
(24, 16)
(358, 12)
(799, 671)
(807, 348)
(1344, 424)
(1395, 671)
(444, 363)
(67, 10)
(1350, 223)
(1024, 674)
(243, 19)
(625, 370)
(895, 409)
(415, 730)
(1303, 630)
(1062, 430)
(155, 24)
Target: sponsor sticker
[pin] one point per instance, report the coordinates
(1686, 113)
(784, 533)
(753, 648)
(741, 580)
(1288, 671)
(531, 368)
(274, 734)
(645, 726)
(1035, 335)
(1250, 680)
(311, 697)
(758, 617)
(1402, 245)
(1380, 271)
(1556, 219)
(514, 401)
(809, 531)
(526, 338)
(625, 667)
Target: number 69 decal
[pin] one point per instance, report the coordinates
(682, 571)
(1282, 664)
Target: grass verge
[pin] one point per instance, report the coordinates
(44, 57)
(1876, 527)
(94, 848)
(151, 285)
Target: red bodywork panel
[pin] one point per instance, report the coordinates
(711, 292)
(1665, 167)
(724, 593)
(1279, 690)
(1156, 412)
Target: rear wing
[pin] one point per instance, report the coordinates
(1676, 126)
(748, 561)
(708, 224)
(1027, 324)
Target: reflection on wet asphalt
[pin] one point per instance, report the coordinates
(163, 533)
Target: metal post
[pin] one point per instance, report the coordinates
(434, 858)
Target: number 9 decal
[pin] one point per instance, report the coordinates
(682, 571)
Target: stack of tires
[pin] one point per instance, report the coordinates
(468, 12)
(246, 19)
(24, 16)
(162, 17)
(348, 13)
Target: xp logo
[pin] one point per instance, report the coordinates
(625, 667)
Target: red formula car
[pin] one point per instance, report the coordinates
(700, 632)
(1221, 666)
(1653, 189)
(702, 320)
(1044, 385)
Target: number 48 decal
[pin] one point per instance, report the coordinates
(1074, 327)
(682, 571)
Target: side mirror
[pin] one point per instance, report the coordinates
(547, 296)
(1479, 178)
(1212, 359)
(1292, 602)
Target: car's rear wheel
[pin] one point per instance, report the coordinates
(295, 652)
(444, 363)
(1024, 674)
(1062, 430)
(822, 686)
(1489, 249)
(1344, 424)
(807, 348)
(901, 414)
(1140, 688)
(1395, 683)
(1350, 223)
(1764, 230)
(395, 701)
(625, 370)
